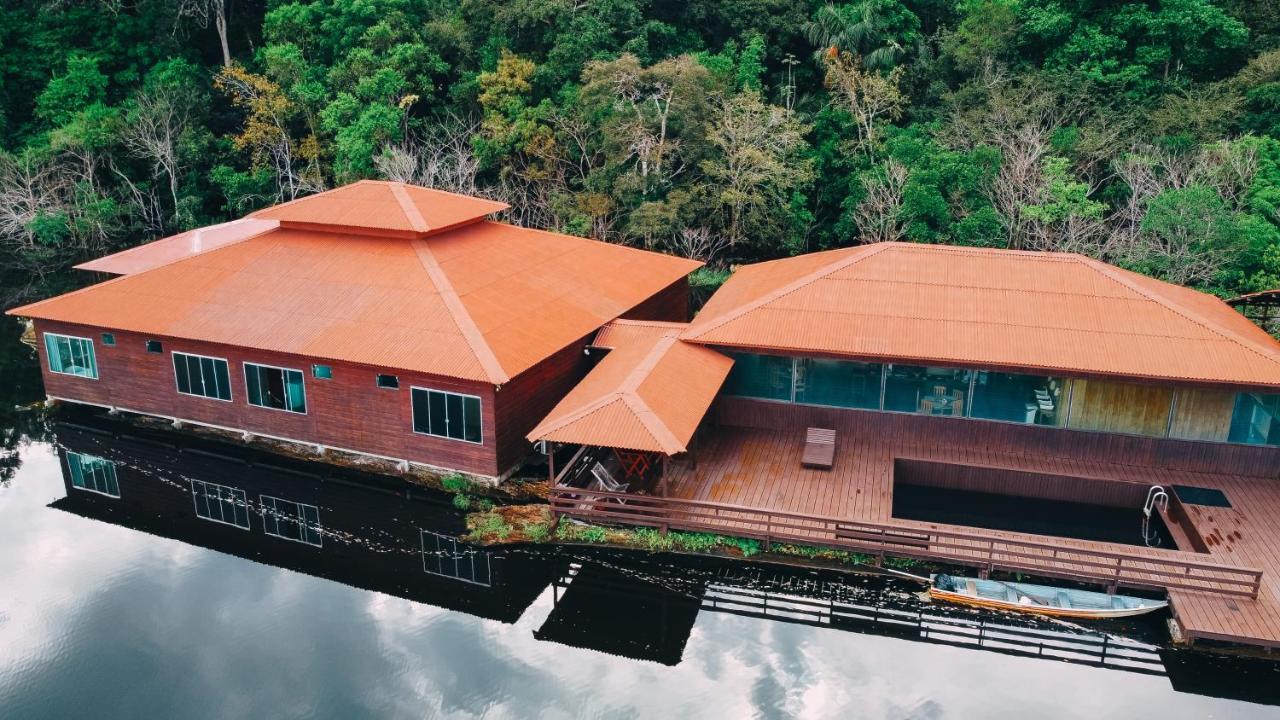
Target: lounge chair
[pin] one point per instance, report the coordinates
(819, 449)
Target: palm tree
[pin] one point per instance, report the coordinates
(879, 31)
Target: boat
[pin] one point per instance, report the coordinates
(1039, 599)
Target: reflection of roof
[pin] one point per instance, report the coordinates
(483, 301)
(179, 247)
(993, 308)
(649, 393)
(387, 207)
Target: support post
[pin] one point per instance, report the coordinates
(551, 465)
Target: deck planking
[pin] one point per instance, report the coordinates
(760, 468)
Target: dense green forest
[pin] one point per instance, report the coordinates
(1143, 133)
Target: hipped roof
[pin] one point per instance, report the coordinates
(649, 393)
(383, 207)
(1054, 312)
(482, 301)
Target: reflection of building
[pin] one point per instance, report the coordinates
(309, 518)
(378, 318)
(363, 535)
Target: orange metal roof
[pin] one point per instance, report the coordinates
(484, 301)
(380, 206)
(998, 308)
(649, 393)
(179, 247)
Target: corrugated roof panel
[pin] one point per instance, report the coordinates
(1060, 312)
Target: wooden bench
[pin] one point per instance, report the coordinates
(819, 449)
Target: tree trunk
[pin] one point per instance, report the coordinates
(220, 20)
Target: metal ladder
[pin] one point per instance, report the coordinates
(1156, 497)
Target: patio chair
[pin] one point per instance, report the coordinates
(819, 449)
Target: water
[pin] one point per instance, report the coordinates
(137, 608)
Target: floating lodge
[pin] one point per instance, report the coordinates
(978, 407)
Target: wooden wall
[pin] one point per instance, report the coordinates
(1019, 483)
(349, 411)
(1119, 407)
(524, 401)
(671, 304)
(1202, 414)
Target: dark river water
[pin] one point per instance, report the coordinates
(137, 607)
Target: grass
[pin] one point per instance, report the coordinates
(462, 502)
(455, 483)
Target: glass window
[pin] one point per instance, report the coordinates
(220, 503)
(838, 383)
(70, 355)
(154, 346)
(291, 520)
(388, 381)
(92, 473)
(276, 388)
(202, 376)
(108, 339)
(1256, 419)
(443, 555)
(1030, 399)
(760, 376)
(324, 372)
(926, 390)
(446, 414)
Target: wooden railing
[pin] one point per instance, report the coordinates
(974, 549)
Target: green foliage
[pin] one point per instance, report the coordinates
(455, 483)
(462, 502)
(729, 130)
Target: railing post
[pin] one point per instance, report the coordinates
(1115, 580)
(768, 532)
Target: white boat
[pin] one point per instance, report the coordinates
(1039, 599)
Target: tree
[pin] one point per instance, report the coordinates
(879, 215)
(266, 133)
(880, 32)
(757, 165)
(870, 97)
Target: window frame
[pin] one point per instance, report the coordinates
(93, 356)
(315, 374)
(159, 347)
(470, 550)
(413, 416)
(80, 458)
(243, 496)
(108, 339)
(174, 353)
(262, 503)
(248, 396)
(377, 381)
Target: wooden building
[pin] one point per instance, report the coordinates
(377, 318)
(808, 390)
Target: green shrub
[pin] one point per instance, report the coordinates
(462, 502)
(537, 531)
(493, 524)
(455, 483)
(652, 540)
(484, 504)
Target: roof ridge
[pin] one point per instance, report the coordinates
(411, 212)
(466, 324)
(852, 258)
(1180, 309)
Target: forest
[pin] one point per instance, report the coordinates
(1146, 134)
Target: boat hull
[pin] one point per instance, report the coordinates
(1037, 609)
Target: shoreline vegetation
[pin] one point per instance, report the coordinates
(492, 525)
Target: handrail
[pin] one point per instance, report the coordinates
(969, 548)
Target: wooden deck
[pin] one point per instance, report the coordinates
(760, 467)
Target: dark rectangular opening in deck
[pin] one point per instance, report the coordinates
(1038, 503)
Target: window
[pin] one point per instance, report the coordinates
(1256, 419)
(71, 356)
(838, 383)
(760, 376)
(286, 519)
(388, 381)
(220, 504)
(1010, 397)
(323, 372)
(92, 473)
(927, 390)
(202, 376)
(276, 388)
(443, 555)
(446, 414)
(154, 346)
(108, 339)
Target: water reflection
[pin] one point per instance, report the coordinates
(415, 624)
